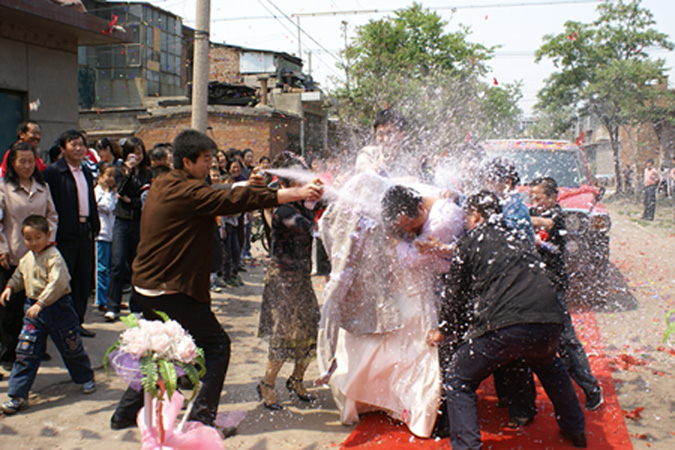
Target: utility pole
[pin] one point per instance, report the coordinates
(299, 39)
(344, 32)
(200, 75)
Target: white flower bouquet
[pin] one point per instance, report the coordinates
(152, 354)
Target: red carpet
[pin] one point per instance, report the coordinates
(605, 427)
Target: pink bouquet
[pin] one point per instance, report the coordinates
(152, 354)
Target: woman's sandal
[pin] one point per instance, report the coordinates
(292, 386)
(273, 406)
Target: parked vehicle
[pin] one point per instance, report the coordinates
(586, 219)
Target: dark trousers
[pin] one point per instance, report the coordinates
(321, 257)
(649, 202)
(11, 319)
(514, 385)
(198, 319)
(230, 266)
(572, 353)
(246, 249)
(80, 259)
(60, 322)
(477, 358)
(126, 234)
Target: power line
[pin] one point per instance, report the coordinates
(304, 32)
(291, 32)
(277, 19)
(453, 8)
(384, 11)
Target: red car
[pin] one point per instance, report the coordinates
(586, 219)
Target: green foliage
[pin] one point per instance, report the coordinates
(670, 327)
(168, 373)
(148, 368)
(500, 111)
(193, 375)
(604, 69)
(553, 124)
(155, 369)
(106, 361)
(410, 62)
(200, 360)
(130, 320)
(162, 314)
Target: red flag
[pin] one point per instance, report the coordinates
(580, 139)
(111, 25)
(494, 81)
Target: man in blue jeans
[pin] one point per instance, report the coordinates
(500, 307)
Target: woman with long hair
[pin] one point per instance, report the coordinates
(132, 178)
(23, 192)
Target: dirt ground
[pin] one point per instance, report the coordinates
(631, 323)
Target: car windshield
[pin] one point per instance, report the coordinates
(565, 167)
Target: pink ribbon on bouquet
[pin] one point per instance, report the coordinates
(196, 435)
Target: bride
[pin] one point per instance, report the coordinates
(376, 313)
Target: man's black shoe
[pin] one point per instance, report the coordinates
(578, 440)
(594, 400)
(86, 333)
(120, 424)
(47, 357)
(228, 431)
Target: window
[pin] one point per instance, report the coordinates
(12, 113)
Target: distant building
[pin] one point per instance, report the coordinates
(638, 143)
(258, 99)
(39, 72)
(152, 65)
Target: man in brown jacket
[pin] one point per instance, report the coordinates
(172, 266)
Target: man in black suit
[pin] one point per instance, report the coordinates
(72, 188)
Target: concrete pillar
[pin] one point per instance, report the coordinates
(200, 78)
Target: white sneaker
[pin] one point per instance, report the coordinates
(89, 387)
(110, 316)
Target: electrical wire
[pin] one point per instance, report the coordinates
(304, 32)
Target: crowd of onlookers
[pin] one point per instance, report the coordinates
(91, 195)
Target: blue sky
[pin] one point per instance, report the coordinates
(516, 25)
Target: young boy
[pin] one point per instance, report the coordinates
(106, 199)
(496, 285)
(43, 274)
(549, 223)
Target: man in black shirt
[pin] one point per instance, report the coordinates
(497, 285)
(549, 224)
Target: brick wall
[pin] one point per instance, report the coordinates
(224, 65)
(265, 134)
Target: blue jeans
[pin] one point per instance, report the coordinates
(477, 358)
(103, 258)
(60, 322)
(126, 235)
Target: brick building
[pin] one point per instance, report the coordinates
(262, 129)
(258, 99)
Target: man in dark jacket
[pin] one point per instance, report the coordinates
(72, 188)
(501, 307)
(171, 269)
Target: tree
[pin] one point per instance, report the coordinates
(500, 111)
(604, 70)
(409, 62)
